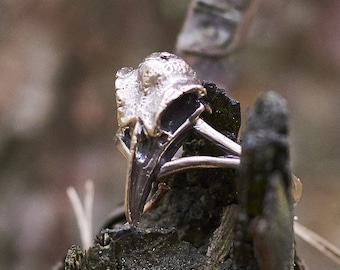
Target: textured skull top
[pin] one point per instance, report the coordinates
(144, 93)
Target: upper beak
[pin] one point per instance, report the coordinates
(147, 155)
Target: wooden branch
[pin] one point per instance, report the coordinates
(193, 226)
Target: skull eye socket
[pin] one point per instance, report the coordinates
(179, 111)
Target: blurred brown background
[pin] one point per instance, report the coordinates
(58, 61)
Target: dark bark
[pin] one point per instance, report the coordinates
(192, 226)
(264, 236)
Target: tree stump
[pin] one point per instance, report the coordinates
(214, 218)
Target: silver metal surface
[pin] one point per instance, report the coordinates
(197, 162)
(216, 137)
(158, 103)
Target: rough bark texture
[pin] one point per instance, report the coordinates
(264, 237)
(193, 225)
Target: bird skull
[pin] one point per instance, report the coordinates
(158, 104)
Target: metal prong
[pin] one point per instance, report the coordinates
(197, 162)
(162, 189)
(216, 137)
(123, 148)
(318, 242)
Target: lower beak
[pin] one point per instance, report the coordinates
(146, 159)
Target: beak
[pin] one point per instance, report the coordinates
(147, 155)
